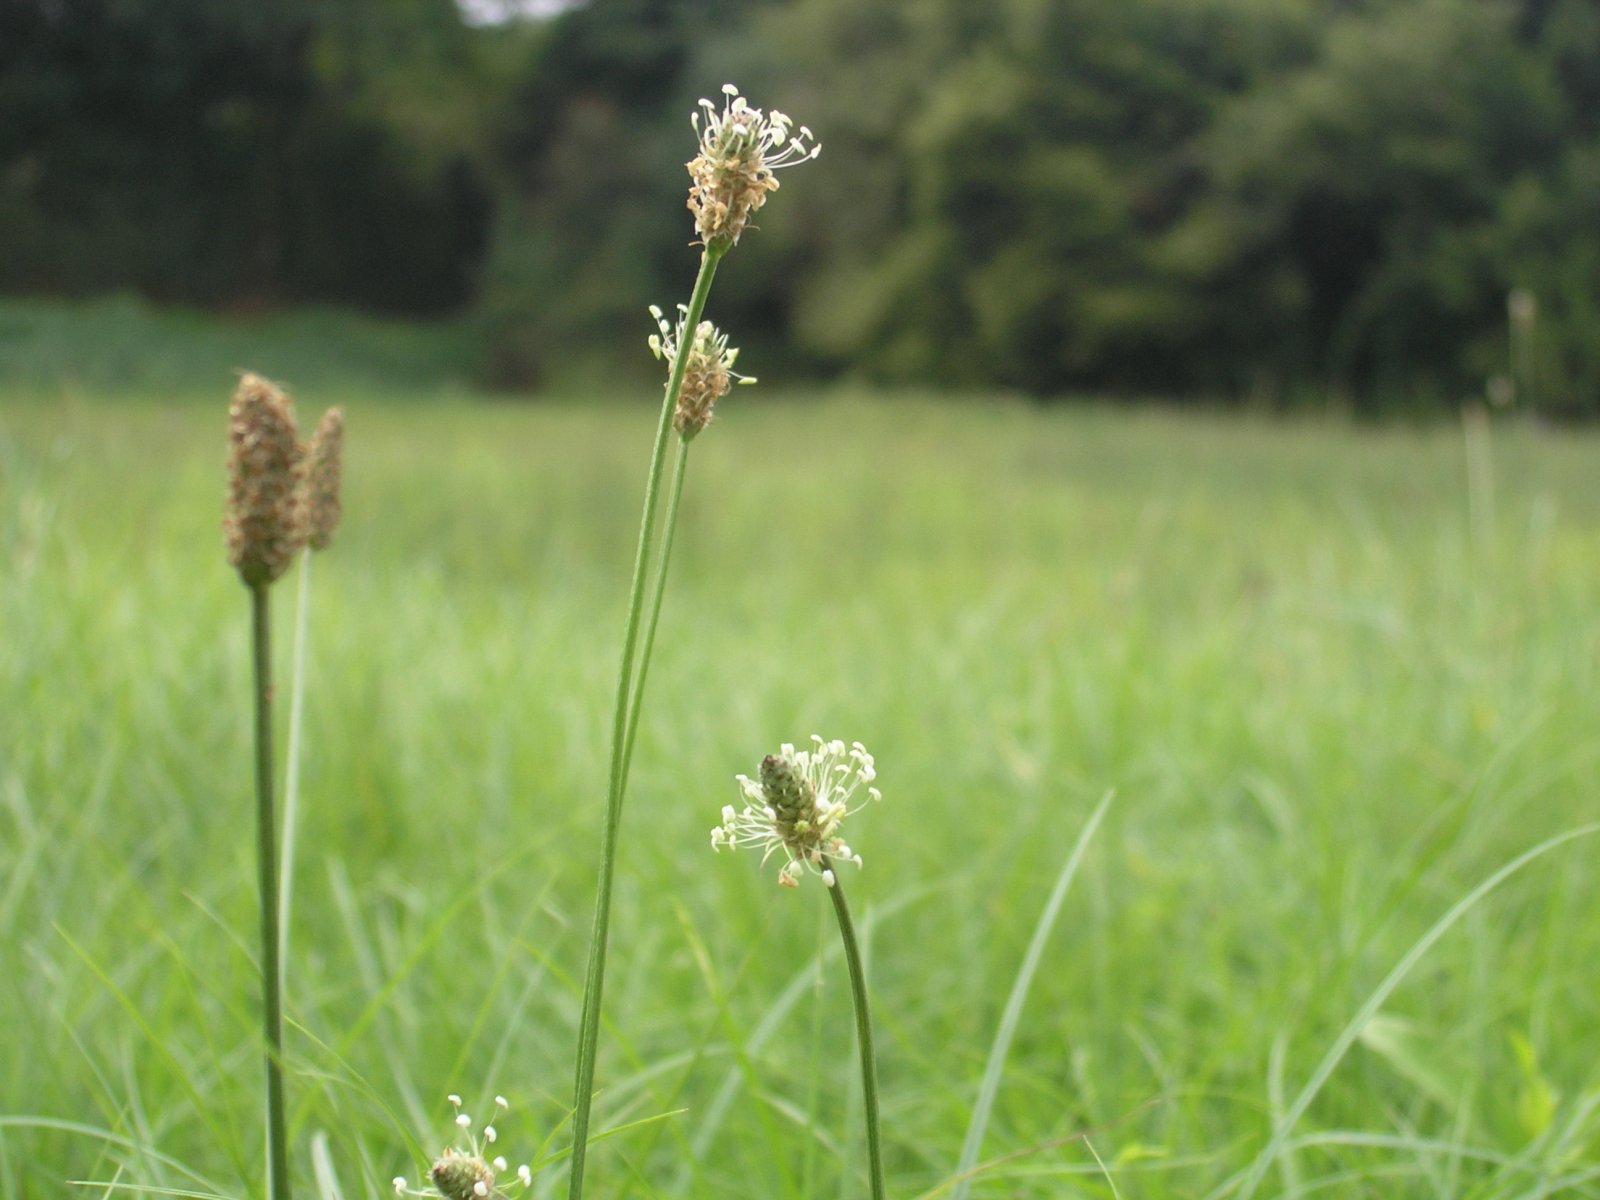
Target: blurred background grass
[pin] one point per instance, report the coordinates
(1327, 712)
(120, 346)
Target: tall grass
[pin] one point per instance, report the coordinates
(1325, 729)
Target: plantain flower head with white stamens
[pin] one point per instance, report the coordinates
(797, 806)
(470, 1173)
(708, 373)
(740, 149)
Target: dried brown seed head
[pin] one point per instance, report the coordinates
(264, 469)
(321, 509)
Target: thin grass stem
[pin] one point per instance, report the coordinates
(669, 529)
(291, 782)
(266, 860)
(594, 982)
(869, 1061)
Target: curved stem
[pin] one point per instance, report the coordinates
(291, 783)
(869, 1061)
(594, 982)
(669, 529)
(266, 861)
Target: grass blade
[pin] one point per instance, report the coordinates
(322, 1168)
(1257, 1170)
(1012, 1016)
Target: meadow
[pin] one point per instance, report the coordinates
(1334, 688)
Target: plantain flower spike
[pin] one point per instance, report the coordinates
(320, 507)
(470, 1174)
(797, 806)
(708, 373)
(262, 520)
(740, 149)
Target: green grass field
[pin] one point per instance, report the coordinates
(1329, 712)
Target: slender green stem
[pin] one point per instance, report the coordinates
(669, 529)
(869, 1060)
(594, 982)
(266, 859)
(291, 782)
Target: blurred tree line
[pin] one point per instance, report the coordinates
(1265, 200)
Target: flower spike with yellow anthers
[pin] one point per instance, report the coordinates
(707, 375)
(797, 807)
(740, 148)
(469, 1174)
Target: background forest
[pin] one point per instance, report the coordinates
(1280, 202)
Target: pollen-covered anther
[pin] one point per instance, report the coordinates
(740, 149)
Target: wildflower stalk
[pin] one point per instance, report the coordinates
(668, 530)
(621, 742)
(266, 858)
(317, 509)
(291, 786)
(796, 808)
(869, 1061)
(264, 531)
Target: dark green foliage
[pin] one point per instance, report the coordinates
(593, 227)
(1242, 198)
(225, 152)
(1253, 199)
(1365, 178)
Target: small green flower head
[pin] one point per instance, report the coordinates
(740, 148)
(708, 373)
(797, 806)
(470, 1174)
(790, 793)
(462, 1176)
